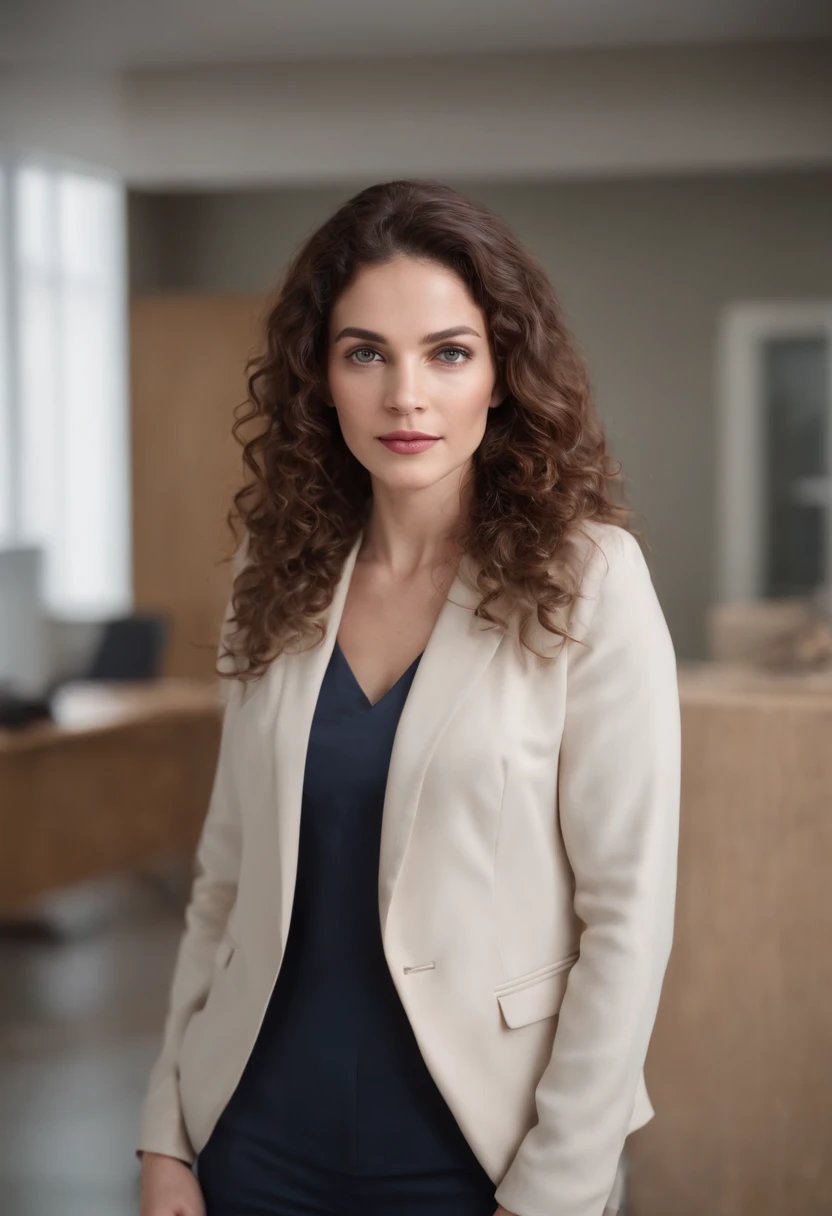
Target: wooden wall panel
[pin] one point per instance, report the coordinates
(187, 361)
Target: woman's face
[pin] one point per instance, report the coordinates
(408, 351)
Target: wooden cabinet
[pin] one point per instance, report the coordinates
(187, 359)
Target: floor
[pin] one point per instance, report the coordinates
(83, 990)
(83, 986)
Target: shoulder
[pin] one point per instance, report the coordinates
(616, 591)
(607, 553)
(608, 544)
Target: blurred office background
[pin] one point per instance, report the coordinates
(671, 166)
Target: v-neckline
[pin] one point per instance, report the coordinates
(368, 703)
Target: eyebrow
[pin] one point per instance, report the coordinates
(369, 335)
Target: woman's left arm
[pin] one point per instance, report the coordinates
(618, 796)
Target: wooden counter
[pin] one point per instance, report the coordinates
(740, 1065)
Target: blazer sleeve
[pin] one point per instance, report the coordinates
(213, 891)
(619, 779)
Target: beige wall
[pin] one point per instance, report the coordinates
(643, 268)
(509, 115)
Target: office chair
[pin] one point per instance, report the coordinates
(130, 648)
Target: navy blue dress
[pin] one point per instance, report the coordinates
(336, 1111)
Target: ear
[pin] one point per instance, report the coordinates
(498, 396)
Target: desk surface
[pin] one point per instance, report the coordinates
(91, 707)
(87, 707)
(743, 684)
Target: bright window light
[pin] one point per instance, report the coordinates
(66, 423)
(6, 489)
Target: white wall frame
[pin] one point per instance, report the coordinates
(743, 329)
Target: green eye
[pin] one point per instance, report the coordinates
(464, 354)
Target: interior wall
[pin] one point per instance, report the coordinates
(506, 115)
(643, 268)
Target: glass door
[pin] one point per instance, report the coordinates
(774, 458)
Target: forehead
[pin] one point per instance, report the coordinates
(405, 291)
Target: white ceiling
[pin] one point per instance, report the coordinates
(124, 34)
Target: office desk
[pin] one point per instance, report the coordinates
(119, 781)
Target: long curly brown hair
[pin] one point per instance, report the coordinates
(541, 469)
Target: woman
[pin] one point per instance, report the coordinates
(449, 761)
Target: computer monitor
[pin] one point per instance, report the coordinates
(24, 634)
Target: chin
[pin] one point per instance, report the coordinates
(410, 482)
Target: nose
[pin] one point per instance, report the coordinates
(404, 391)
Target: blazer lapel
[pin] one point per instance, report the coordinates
(303, 674)
(458, 650)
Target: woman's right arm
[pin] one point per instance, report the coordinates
(162, 1132)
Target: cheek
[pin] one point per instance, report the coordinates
(468, 414)
(335, 382)
(350, 398)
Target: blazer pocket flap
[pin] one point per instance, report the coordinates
(224, 951)
(538, 996)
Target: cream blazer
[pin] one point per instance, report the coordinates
(526, 882)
